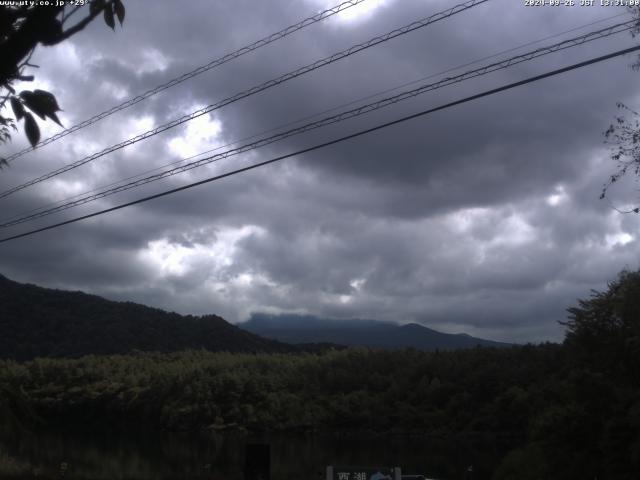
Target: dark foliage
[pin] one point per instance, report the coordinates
(477, 390)
(623, 134)
(23, 27)
(569, 411)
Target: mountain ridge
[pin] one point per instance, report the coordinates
(300, 329)
(43, 322)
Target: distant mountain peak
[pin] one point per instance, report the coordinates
(299, 329)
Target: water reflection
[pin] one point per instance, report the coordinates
(140, 456)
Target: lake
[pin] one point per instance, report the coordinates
(140, 456)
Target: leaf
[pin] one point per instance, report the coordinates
(118, 7)
(108, 16)
(31, 101)
(55, 118)
(41, 103)
(3, 163)
(31, 129)
(18, 109)
(49, 99)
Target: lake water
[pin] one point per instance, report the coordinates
(212, 456)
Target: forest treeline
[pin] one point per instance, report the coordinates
(570, 410)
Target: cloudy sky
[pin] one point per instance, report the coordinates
(483, 218)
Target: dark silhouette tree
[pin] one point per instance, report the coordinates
(606, 327)
(22, 29)
(624, 135)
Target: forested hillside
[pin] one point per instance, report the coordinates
(569, 411)
(41, 322)
(554, 413)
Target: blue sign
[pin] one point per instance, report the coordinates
(362, 473)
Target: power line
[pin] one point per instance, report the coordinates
(335, 141)
(570, 43)
(334, 119)
(193, 73)
(259, 88)
(308, 117)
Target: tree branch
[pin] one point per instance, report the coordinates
(82, 23)
(19, 44)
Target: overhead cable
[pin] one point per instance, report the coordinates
(307, 117)
(355, 112)
(193, 73)
(252, 91)
(332, 142)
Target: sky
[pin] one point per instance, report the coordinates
(483, 218)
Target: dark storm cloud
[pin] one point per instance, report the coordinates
(483, 218)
